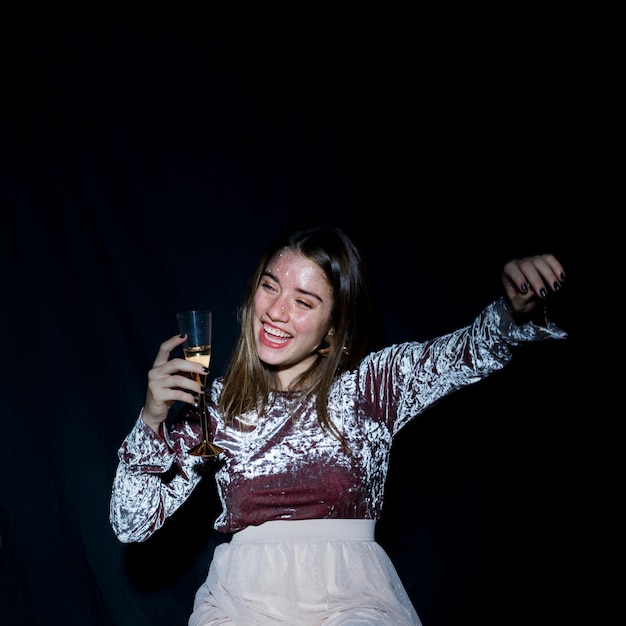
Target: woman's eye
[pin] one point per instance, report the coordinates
(304, 304)
(268, 286)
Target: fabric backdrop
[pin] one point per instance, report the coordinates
(147, 158)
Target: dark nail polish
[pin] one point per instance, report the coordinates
(562, 276)
(523, 287)
(556, 285)
(181, 336)
(203, 388)
(205, 370)
(543, 293)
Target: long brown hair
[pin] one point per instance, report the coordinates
(248, 381)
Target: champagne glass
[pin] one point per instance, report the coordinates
(198, 326)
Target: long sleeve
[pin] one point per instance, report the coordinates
(402, 381)
(154, 477)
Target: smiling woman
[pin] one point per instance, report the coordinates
(306, 418)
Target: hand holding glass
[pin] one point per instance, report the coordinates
(198, 326)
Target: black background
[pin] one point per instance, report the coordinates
(147, 158)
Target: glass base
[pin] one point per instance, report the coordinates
(206, 449)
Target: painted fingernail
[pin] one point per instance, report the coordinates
(523, 287)
(203, 388)
(556, 285)
(181, 336)
(543, 293)
(205, 370)
(562, 276)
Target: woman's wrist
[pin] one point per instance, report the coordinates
(154, 423)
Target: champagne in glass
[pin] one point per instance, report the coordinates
(199, 354)
(198, 326)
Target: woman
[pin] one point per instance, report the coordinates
(306, 419)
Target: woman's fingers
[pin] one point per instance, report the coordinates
(171, 380)
(542, 273)
(530, 278)
(538, 273)
(166, 348)
(167, 380)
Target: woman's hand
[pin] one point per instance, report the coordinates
(528, 281)
(169, 380)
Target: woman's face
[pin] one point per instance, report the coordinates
(291, 314)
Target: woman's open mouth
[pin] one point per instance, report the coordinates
(274, 337)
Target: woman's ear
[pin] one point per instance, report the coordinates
(324, 347)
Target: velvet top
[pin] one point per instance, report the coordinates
(282, 464)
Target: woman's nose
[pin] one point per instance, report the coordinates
(277, 311)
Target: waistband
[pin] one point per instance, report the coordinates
(308, 530)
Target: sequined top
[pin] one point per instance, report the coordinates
(282, 464)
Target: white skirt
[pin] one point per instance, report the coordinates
(303, 573)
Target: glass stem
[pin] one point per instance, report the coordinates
(204, 419)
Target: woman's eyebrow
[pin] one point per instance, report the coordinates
(310, 294)
(269, 275)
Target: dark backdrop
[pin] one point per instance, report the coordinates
(148, 156)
